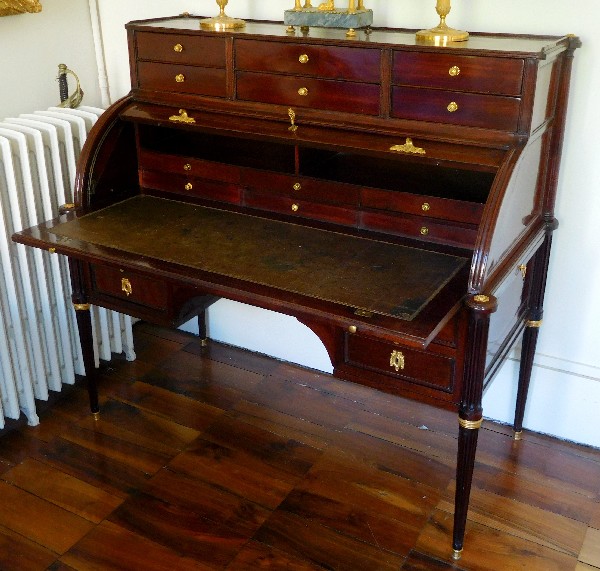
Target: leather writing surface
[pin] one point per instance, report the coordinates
(360, 273)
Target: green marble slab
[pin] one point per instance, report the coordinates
(339, 18)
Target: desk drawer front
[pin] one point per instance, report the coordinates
(421, 228)
(432, 207)
(342, 96)
(501, 76)
(301, 208)
(208, 51)
(197, 168)
(419, 367)
(191, 186)
(301, 188)
(182, 78)
(356, 64)
(130, 287)
(470, 109)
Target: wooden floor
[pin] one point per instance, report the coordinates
(221, 459)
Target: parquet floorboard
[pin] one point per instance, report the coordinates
(216, 458)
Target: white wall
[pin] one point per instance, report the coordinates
(32, 46)
(565, 391)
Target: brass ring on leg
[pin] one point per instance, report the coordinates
(456, 554)
(96, 415)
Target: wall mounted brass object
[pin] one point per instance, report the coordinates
(408, 147)
(180, 78)
(303, 91)
(397, 360)
(182, 117)
(452, 107)
(126, 287)
(454, 71)
(523, 269)
(178, 48)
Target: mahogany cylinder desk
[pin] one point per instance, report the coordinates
(395, 197)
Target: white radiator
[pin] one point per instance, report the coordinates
(39, 344)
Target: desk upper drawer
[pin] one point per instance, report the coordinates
(331, 95)
(182, 78)
(355, 64)
(500, 76)
(470, 109)
(208, 51)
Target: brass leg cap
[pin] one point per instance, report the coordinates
(96, 415)
(518, 435)
(456, 554)
(204, 343)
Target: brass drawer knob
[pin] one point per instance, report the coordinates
(178, 48)
(426, 207)
(295, 207)
(303, 58)
(452, 107)
(126, 286)
(180, 78)
(454, 71)
(424, 231)
(187, 167)
(297, 187)
(397, 360)
(303, 91)
(189, 186)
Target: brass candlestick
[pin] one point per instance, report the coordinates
(442, 34)
(222, 21)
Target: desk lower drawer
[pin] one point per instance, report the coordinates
(125, 286)
(417, 367)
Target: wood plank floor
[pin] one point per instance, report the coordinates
(218, 458)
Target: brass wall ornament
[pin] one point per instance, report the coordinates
(12, 7)
(442, 34)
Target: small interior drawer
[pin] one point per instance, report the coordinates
(182, 78)
(502, 76)
(420, 367)
(208, 51)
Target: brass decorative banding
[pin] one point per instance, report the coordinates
(481, 298)
(470, 424)
(518, 435)
(180, 78)
(533, 324)
(303, 92)
(454, 71)
(452, 107)
(178, 48)
(456, 554)
(81, 306)
(303, 58)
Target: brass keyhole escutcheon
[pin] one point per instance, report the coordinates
(295, 207)
(452, 107)
(297, 187)
(189, 186)
(303, 58)
(180, 78)
(303, 91)
(454, 71)
(397, 361)
(178, 48)
(426, 207)
(126, 287)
